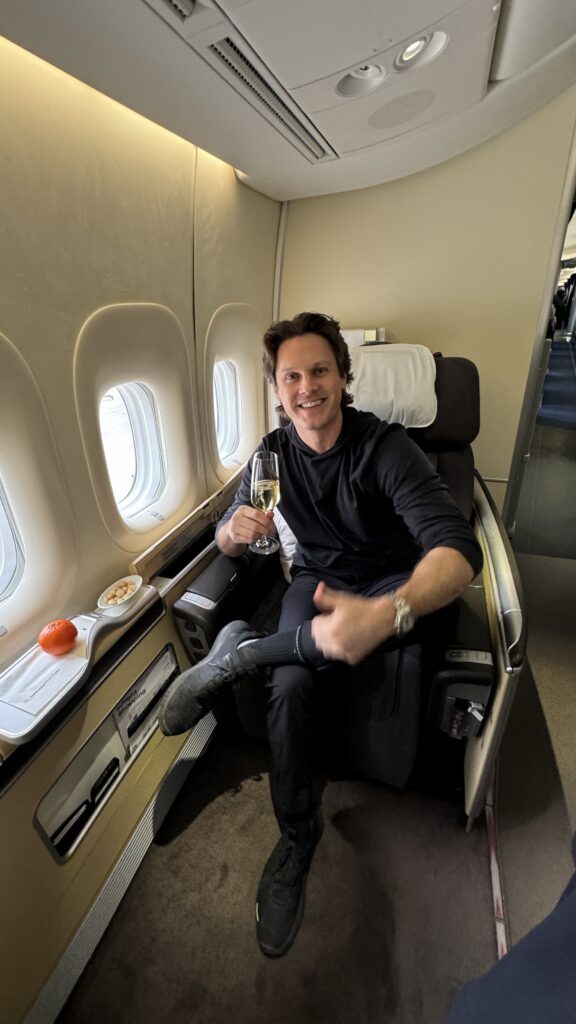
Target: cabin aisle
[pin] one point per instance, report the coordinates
(549, 587)
(532, 821)
(398, 910)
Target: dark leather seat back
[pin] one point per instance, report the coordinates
(447, 442)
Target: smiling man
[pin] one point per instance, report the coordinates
(381, 545)
(310, 385)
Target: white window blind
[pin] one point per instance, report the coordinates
(226, 408)
(133, 447)
(11, 549)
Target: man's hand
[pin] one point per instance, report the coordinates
(350, 627)
(244, 527)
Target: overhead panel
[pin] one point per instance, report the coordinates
(531, 29)
(214, 37)
(306, 97)
(334, 78)
(232, 58)
(449, 73)
(307, 40)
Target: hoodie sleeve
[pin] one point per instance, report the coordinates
(422, 501)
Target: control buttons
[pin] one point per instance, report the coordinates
(199, 600)
(478, 657)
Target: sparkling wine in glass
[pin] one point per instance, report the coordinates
(265, 494)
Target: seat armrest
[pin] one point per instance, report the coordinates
(504, 576)
(507, 620)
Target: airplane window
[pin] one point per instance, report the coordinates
(11, 549)
(131, 435)
(226, 408)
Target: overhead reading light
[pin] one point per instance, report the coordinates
(412, 51)
(420, 51)
(362, 80)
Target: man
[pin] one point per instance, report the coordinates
(380, 545)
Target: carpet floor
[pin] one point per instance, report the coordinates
(558, 406)
(398, 910)
(545, 523)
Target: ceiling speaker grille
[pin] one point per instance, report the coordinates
(402, 109)
(260, 90)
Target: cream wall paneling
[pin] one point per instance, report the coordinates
(86, 225)
(37, 889)
(32, 477)
(235, 246)
(455, 258)
(234, 334)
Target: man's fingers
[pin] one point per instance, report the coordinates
(247, 524)
(325, 599)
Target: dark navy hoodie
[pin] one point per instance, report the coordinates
(369, 506)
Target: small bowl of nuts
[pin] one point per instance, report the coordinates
(118, 596)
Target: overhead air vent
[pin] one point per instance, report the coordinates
(183, 8)
(239, 68)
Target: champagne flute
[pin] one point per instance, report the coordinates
(265, 494)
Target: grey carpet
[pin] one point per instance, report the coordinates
(545, 522)
(550, 591)
(398, 910)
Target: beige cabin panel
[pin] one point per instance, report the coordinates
(98, 210)
(44, 902)
(101, 212)
(455, 258)
(236, 234)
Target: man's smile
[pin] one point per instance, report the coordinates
(311, 404)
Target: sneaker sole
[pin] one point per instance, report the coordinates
(235, 629)
(275, 951)
(196, 715)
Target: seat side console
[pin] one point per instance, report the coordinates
(230, 588)
(464, 677)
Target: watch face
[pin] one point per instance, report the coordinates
(404, 620)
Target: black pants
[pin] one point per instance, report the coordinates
(296, 695)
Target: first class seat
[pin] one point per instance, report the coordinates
(467, 686)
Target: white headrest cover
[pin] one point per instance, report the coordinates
(396, 383)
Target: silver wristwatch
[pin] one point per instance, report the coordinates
(404, 620)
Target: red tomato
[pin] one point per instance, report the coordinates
(58, 637)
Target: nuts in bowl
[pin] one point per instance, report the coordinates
(116, 598)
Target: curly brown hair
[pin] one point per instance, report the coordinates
(308, 323)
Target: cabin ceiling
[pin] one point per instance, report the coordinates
(313, 96)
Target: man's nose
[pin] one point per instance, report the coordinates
(308, 382)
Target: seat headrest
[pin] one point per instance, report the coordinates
(436, 397)
(396, 383)
(458, 419)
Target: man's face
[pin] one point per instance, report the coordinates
(309, 385)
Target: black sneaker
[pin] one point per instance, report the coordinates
(280, 900)
(197, 690)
